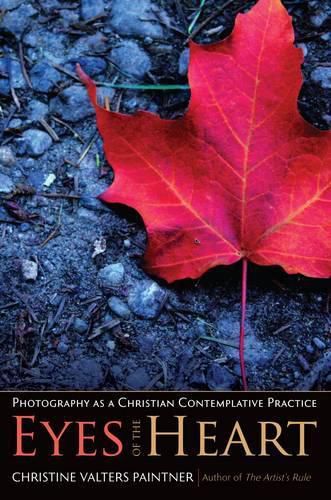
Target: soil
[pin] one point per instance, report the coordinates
(57, 330)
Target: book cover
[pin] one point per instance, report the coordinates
(165, 246)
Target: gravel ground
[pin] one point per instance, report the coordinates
(77, 311)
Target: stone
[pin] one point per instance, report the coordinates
(146, 343)
(97, 43)
(4, 87)
(69, 17)
(37, 142)
(322, 76)
(116, 371)
(183, 62)
(18, 20)
(327, 118)
(145, 299)
(219, 378)
(138, 379)
(15, 123)
(111, 344)
(304, 48)
(91, 203)
(93, 66)
(198, 379)
(14, 76)
(7, 157)
(62, 347)
(258, 352)
(310, 349)
(111, 275)
(53, 45)
(91, 8)
(88, 215)
(319, 18)
(37, 110)
(72, 104)
(326, 37)
(127, 18)
(119, 307)
(17, 79)
(36, 179)
(84, 373)
(44, 77)
(6, 184)
(319, 343)
(80, 325)
(29, 270)
(10, 4)
(303, 363)
(131, 59)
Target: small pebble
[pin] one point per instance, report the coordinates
(145, 299)
(80, 325)
(148, 40)
(198, 379)
(84, 373)
(319, 18)
(44, 77)
(6, 184)
(183, 62)
(62, 348)
(72, 104)
(138, 379)
(37, 110)
(92, 66)
(17, 21)
(15, 123)
(118, 307)
(310, 349)
(135, 18)
(7, 157)
(111, 345)
(131, 59)
(29, 270)
(303, 363)
(91, 8)
(219, 378)
(91, 203)
(322, 76)
(111, 275)
(10, 4)
(37, 142)
(326, 36)
(116, 371)
(304, 48)
(319, 343)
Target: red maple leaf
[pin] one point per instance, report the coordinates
(242, 175)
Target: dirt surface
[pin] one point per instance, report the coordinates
(67, 319)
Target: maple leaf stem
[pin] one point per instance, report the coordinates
(242, 324)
